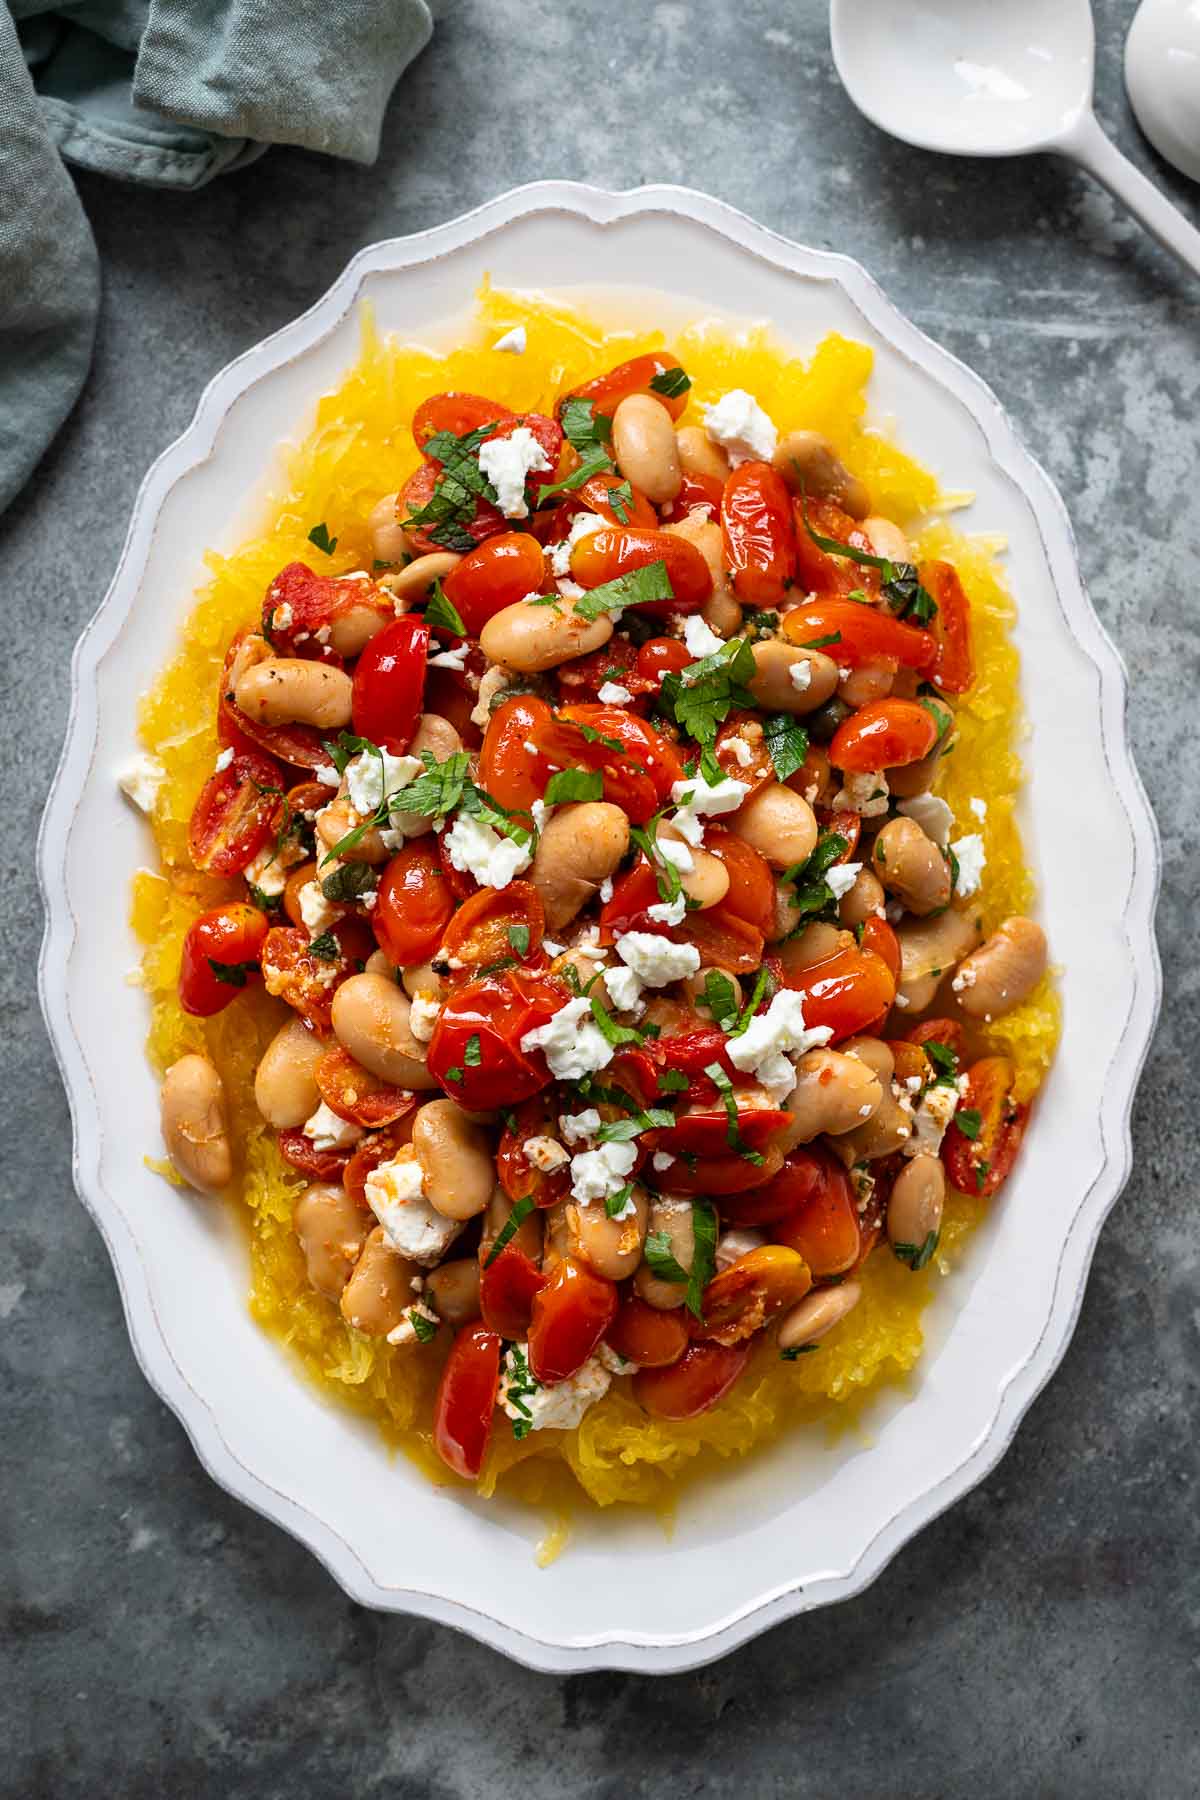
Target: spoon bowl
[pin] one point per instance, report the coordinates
(998, 78)
(968, 77)
(1162, 74)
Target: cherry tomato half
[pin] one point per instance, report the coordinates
(954, 667)
(494, 924)
(981, 1164)
(739, 1301)
(458, 413)
(507, 1289)
(646, 1335)
(466, 1400)
(511, 774)
(824, 1227)
(220, 953)
(232, 818)
(308, 983)
(377, 1147)
(353, 1093)
(808, 1173)
(606, 392)
(414, 906)
(701, 1377)
(884, 734)
(475, 1052)
(760, 540)
(694, 490)
(302, 1154)
(496, 574)
(570, 1316)
(858, 634)
(607, 555)
(389, 684)
(596, 494)
(847, 991)
(824, 572)
(521, 1179)
(299, 603)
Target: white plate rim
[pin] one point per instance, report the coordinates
(642, 1652)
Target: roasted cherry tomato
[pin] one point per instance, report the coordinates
(299, 603)
(414, 905)
(646, 1335)
(457, 413)
(220, 954)
(884, 734)
(824, 572)
(724, 940)
(233, 815)
(389, 684)
(466, 1400)
(353, 1093)
(475, 1052)
(661, 656)
(302, 1154)
(954, 666)
(449, 693)
(741, 750)
(751, 895)
(705, 1132)
(494, 925)
(416, 494)
(638, 763)
(855, 634)
(760, 541)
(298, 878)
(725, 1175)
(877, 935)
(507, 1288)
(377, 1147)
(635, 510)
(570, 1316)
(809, 1173)
(511, 774)
(308, 983)
(519, 1177)
(981, 1164)
(694, 490)
(581, 679)
(846, 825)
(947, 1032)
(636, 376)
(461, 882)
(607, 555)
(847, 991)
(702, 1376)
(499, 572)
(739, 1301)
(824, 1228)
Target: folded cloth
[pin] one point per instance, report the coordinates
(170, 92)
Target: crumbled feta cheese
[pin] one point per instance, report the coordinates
(700, 640)
(931, 814)
(584, 524)
(615, 1363)
(930, 1120)
(574, 1044)
(737, 1243)
(544, 1153)
(688, 826)
(557, 1408)
(506, 462)
(141, 780)
(611, 693)
(552, 947)
(455, 659)
(406, 1331)
(712, 798)
(396, 1195)
(595, 1174)
(966, 978)
(765, 1045)
(327, 775)
(283, 617)
(738, 423)
(841, 878)
(370, 777)
(971, 861)
(539, 812)
(268, 872)
(800, 676)
(740, 750)
(979, 808)
(475, 847)
(662, 1161)
(668, 912)
(578, 1127)
(424, 1016)
(624, 989)
(866, 794)
(671, 850)
(223, 761)
(655, 960)
(513, 342)
(329, 1132)
(315, 910)
(606, 889)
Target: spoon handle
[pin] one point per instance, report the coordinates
(1088, 145)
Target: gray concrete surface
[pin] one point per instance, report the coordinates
(1042, 1639)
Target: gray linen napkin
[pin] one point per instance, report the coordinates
(170, 92)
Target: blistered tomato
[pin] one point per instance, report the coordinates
(760, 543)
(701, 1377)
(607, 555)
(234, 812)
(884, 734)
(570, 1316)
(221, 953)
(637, 376)
(389, 684)
(498, 573)
(414, 905)
(466, 1400)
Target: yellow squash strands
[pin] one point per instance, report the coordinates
(359, 448)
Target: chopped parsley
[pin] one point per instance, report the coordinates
(733, 1135)
(813, 895)
(519, 1382)
(444, 613)
(231, 974)
(969, 1121)
(670, 383)
(701, 697)
(574, 784)
(917, 1255)
(319, 535)
(942, 1057)
(473, 1054)
(796, 1350)
(508, 1231)
(457, 491)
(787, 743)
(518, 938)
(637, 588)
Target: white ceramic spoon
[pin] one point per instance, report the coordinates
(993, 78)
(1162, 74)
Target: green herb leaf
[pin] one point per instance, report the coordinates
(835, 547)
(941, 1056)
(473, 1054)
(763, 981)
(969, 1121)
(455, 1075)
(797, 1350)
(519, 1383)
(661, 1258)
(591, 736)
(830, 845)
(456, 491)
(733, 1136)
(268, 903)
(350, 881)
(942, 717)
(672, 1081)
(666, 875)
(671, 383)
(787, 743)
(319, 535)
(521, 1210)
(325, 948)
(819, 643)
(702, 696)
(442, 612)
(623, 1131)
(620, 498)
(704, 1254)
(721, 999)
(231, 974)
(615, 1203)
(917, 1255)
(635, 589)
(587, 430)
(906, 597)
(518, 937)
(613, 1033)
(426, 1329)
(595, 465)
(574, 784)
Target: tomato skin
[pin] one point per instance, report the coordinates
(808, 1172)
(941, 1031)
(694, 490)
(878, 935)
(822, 572)
(507, 771)
(722, 1176)
(751, 895)
(301, 1153)
(537, 1117)
(645, 1335)
(228, 934)
(606, 555)
(954, 666)
(498, 1010)
(571, 1314)
(760, 543)
(824, 1228)
(581, 679)
(739, 1301)
(606, 392)
(414, 905)
(662, 656)
(847, 991)
(466, 1400)
(641, 743)
(638, 777)
(314, 601)
(883, 734)
(595, 495)
(458, 413)
(478, 932)
(507, 1288)
(378, 1147)
(389, 684)
(864, 633)
(706, 1133)
(292, 973)
(417, 492)
(231, 820)
(743, 728)
(496, 574)
(724, 940)
(353, 1093)
(982, 1164)
(702, 1376)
